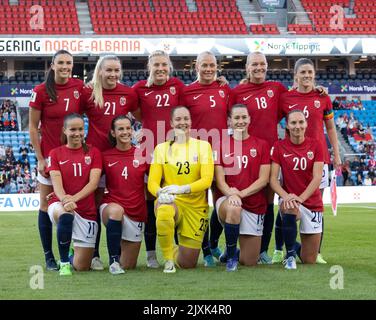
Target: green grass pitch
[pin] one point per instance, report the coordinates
(349, 242)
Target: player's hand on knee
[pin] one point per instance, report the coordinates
(233, 191)
(235, 201)
(67, 198)
(70, 206)
(165, 198)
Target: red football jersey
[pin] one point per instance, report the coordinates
(155, 103)
(296, 163)
(53, 113)
(316, 109)
(75, 167)
(262, 101)
(118, 101)
(125, 172)
(241, 161)
(208, 105)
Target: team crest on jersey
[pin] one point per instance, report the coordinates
(76, 94)
(123, 101)
(253, 152)
(310, 155)
(317, 104)
(87, 160)
(173, 90)
(270, 93)
(136, 163)
(221, 93)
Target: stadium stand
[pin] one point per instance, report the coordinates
(166, 17)
(358, 19)
(358, 128)
(60, 17)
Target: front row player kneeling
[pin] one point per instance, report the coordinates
(301, 161)
(242, 175)
(123, 208)
(75, 169)
(186, 166)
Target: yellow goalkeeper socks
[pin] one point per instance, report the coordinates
(165, 230)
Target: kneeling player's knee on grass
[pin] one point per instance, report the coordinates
(80, 267)
(187, 263)
(129, 265)
(233, 215)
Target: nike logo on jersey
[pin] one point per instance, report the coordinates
(228, 155)
(112, 164)
(63, 162)
(292, 106)
(287, 155)
(246, 98)
(196, 97)
(147, 93)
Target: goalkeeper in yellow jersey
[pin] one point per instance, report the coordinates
(180, 174)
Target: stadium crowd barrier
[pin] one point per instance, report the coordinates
(346, 195)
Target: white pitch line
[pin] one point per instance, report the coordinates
(363, 207)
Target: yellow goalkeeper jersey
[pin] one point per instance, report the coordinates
(180, 164)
